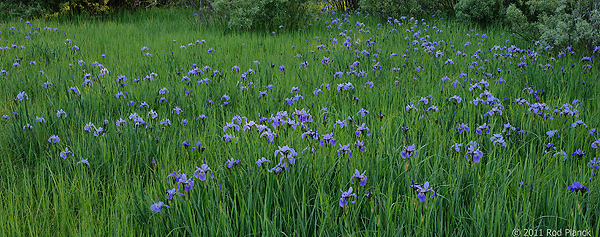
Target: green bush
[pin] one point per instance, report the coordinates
(557, 23)
(262, 14)
(51, 8)
(480, 11)
(14, 9)
(519, 23)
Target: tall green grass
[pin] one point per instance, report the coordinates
(44, 194)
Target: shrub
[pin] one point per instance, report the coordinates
(17, 9)
(261, 14)
(557, 23)
(519, 23)
(480, 11)
(51, 8)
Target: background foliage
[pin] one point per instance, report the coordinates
(557, 23)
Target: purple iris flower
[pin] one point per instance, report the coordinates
(551, 133)
(596, 144)
(328, 139)
(577, 186)
(456, 99)
(362, 128)
(22, 95)
(176, 176)
(202, 116)
(199, 147)
(286, 151)
(231, 125)
(456, 147)
(229, 138)
(497, 138)
(411, 107)
(473, 150)
(261, 161)
(423, 190)
(317, 91)
(550, 146)
(361, 146)
(177, 110)
(54, 139)
(484, 127)
(344, 149)
(291, 123)
(61, 112)
(89, 127)
(249, 125)
(263, 94)
(362, 111)
(346, 196)
(64, 153)
(276, 170)
(311, 134)
(561, 153)
(171, 193)
(268, 135)
(579, 153)
(157, 206)
(188, 184)
(380, 115)
(83, 161)
(295, 90)
(290, 159)
(462, 128)
(376, 67)
(579, 122)
(201, 172)
(185, 144)
(408, 151)
(232, 162)
(303, 115)
(507, 127)
(594, 164)
(362, 177)
(341, 124)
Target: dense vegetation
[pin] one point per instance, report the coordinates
(341, 123)
(556, 23)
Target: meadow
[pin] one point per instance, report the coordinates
(140, 125)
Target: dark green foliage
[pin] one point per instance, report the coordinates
(30, 9)
(480, 11)
(557, 22)
(22, 9)
(262, 14)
